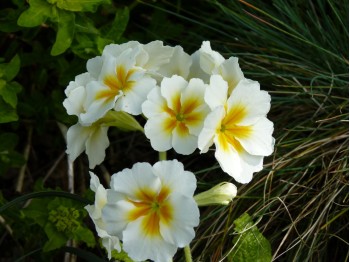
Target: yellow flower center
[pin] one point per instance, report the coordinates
(183, 114)
(120, 81)
(154, 208)
(230, 129)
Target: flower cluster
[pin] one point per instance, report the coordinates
(190, 101)
(150, 208)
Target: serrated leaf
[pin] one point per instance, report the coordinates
(250, 244)
(79, 5)
(7, 112)
(38, 12)
(65, 32)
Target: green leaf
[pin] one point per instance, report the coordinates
(7, 112)
(65, 32)
(121, 120)
(9, 70)
(119, 24)
(79, 5)
(250, 244)
(38, 12)
(8, 141)
(85, 235)
(37, 210)
(56, 238)
(8, 92)
(8, 21)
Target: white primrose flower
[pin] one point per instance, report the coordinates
(120, 85)
(238, 127)
(152, 57)
(153, 210)
(175, 112)
(95, 212)
(207, 62)
(76, 94)
(92, 139)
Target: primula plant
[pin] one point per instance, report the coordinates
(190, 102)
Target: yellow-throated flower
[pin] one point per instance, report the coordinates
(152, 210)
(175, 113)
(238, 127)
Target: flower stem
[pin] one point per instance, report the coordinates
(162, 155)
(188, 255)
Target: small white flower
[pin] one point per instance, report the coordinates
(76, 94)
(92, 139)
(207, 62)
(108, 241)
(238, 127)
(175, 113)
(120, 85)
(153, 209)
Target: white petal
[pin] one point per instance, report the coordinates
(231, 72)
(173, 175)
(216, 93)
(96, 145)
(115, 217)
(80, 80)
(260, 141)
(183, 143)
(193, 97)
(141, 247)
(239, 166)
(154, 104)
(156, 131)
(74, 103)
(94, 66)
(180, 232)
(209, 59)
(255, 101)
(111, 243)
(195, 70)
(132, 100)
(158, 55)
(76, 139)
(179, 64)
(116, 50)
(130, 181)
(171, 89)
(94, 181)
(211, 124)
(96, 108)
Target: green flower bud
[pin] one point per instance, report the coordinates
(221, 194)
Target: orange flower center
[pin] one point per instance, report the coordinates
(154, 208)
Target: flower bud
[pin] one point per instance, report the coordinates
(221, 194)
